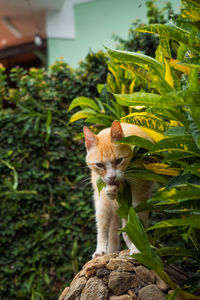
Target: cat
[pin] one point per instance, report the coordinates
(109, 160)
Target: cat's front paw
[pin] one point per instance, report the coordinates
(111, 191)
(98, 253)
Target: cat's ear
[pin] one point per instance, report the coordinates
(90, 138)
(116, 131)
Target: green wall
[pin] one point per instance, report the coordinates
(94, 24)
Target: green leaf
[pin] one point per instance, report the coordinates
(100, 184)
(168, 32)
(176, 251)
(136, 233)
(85, 101)
(82, 114)
(176, 131)
(182, 180)
(145, 174)
(47, 279)
(136, 141)
(48, 126)
(192, 221)
(30, 282)
(178, 98)
(15, 175)
(124, 200)
(183, 145)
(147, 99)
(146, 121)
(138, 236)
(185, 206)
(134, 57)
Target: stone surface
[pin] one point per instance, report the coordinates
(75, 288)
(64, 293)
(122, 297)
(120, 282)
(145, 274)
(132, 294)
(120, 264)
(151, 292)
(102, 272)
(161, 284)
(94, 289)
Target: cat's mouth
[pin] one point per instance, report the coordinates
(114, 182)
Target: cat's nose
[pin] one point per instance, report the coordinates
(112, 178)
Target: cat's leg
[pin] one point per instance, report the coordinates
(103, 219)
(113, 236)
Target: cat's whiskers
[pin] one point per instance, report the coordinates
(85, 182)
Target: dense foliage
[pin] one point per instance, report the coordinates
(168, 109)
(47, 223)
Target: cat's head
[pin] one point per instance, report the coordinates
(104, 156)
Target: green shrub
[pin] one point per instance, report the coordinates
(47, 223)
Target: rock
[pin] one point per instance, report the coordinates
(117, 276)
(151, 292)
(122, 297)
(94, 289)
(90, 269)
(75, 288)
(120, 264)
(132, 294)
(105, 258)
(64, 293)
(145, 274)
(102, 272)
(120, 282)
(161, 284)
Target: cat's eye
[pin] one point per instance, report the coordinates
(119, 160)
(100, 165)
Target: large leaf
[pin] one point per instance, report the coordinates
(185, 207)
(172, 196)
(152, 79)
(183, 145)
(176, 34)
(137, 235)
(177, 252)
(136, 141)
(82, 114)
(149, 123)
(147, 99)
(83, 101)
(144, 174)
(192, 221)
(134, 57)
(124, 199)
(150, 64)
(162, 169)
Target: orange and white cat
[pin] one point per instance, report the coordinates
(109, 160)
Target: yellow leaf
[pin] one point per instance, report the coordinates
(175, 64)
(162, 169)
(168, 76)
(123, 89)
(175, 123)
(131, 87)
(156, 136)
